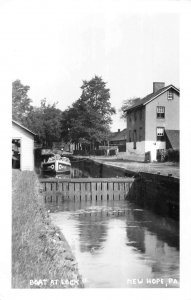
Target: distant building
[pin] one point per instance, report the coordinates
(22, 147)
(119, 139)
(153, 123)
(66, 147)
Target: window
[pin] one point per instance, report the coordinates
(135, 115)
(134, 139)
(140, 114)
(129, 135)
(160, 133)
(160, 112)
(140, 134)
(170, 95)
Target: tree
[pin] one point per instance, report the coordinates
(127, 104)
(45, 121)
(21, 103)
(87, 121)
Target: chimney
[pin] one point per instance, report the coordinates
(157, 86)
(118, 130)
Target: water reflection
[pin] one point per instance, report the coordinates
(115, 243)
(93, 231)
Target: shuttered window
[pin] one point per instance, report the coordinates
(160, 112)
(170, 95)
(160, 133)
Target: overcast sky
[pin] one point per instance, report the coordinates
(57, 44)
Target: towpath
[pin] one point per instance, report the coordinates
(164, 168)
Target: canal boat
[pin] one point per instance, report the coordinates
(56, 163)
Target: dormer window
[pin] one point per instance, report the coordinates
(170, 95)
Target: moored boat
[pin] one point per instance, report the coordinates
(56, 164)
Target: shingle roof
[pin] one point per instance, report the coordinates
(173, 138)
(151, 97)
(119, 136)
(20, 125)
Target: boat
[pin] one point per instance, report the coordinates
(56, 163)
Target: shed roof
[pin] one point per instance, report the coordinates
(173, 137)
(151, 97)
(23, 127)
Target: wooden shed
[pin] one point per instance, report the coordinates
(22, 147)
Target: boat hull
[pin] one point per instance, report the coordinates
(56, 167)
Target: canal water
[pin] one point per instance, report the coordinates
(83, 168)
(117, 244)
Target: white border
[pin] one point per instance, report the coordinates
(184, 9)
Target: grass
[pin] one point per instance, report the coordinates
(40, 253)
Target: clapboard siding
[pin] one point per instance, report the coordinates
(27, 147)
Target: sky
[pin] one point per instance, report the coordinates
(55, 45)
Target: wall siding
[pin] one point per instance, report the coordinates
(149, 123)
(135, 125)
(27, 147)
(171, 120)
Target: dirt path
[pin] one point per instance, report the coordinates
(164, 168)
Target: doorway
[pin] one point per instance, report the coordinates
(134, 139)
(16, 153)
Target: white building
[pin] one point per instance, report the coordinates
(22, 147)
(153, 123)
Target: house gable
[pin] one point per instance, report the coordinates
(23, 127)
(171, 115)
(151, 97)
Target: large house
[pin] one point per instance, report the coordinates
(153, 123)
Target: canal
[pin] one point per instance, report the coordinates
(118, 244)
(83, 168)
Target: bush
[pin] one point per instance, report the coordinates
(172, 155)
(168, 155)
(112, 152)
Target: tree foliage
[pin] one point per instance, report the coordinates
(21, 103)
(45, 121)
(87, 121)
(127, 104)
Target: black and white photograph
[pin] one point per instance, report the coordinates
(96, 131)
